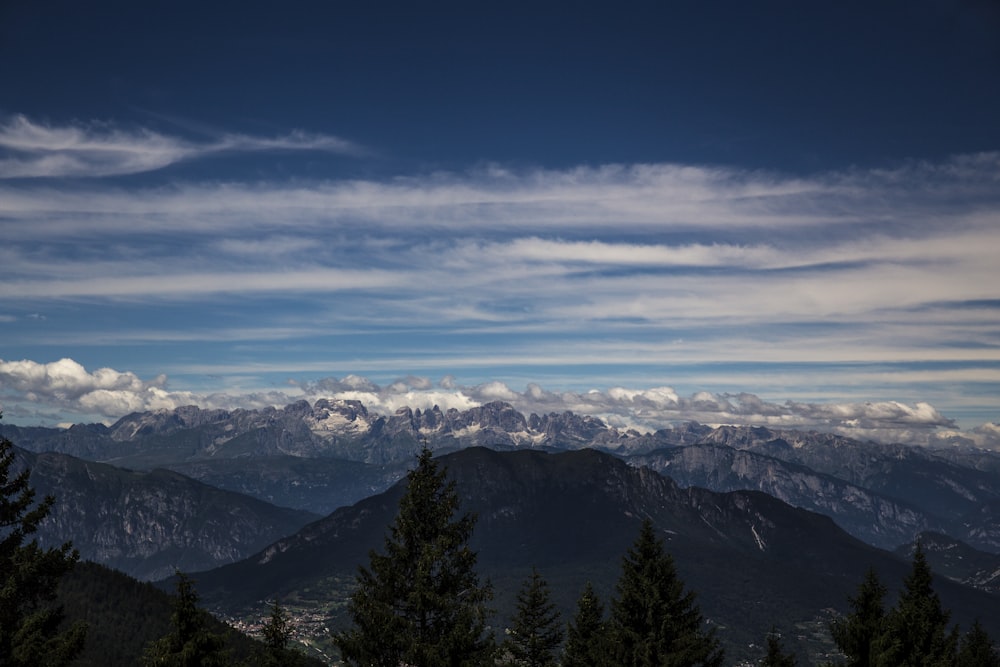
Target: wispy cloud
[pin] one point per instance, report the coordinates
(872, 275)
(36, 150)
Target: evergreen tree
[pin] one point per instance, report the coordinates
(654, 621)
(277, 629)
(29, 576)
(277, 632)
(859, 634)
(189, 643)
(586, 640)
(977, 649)
(917, 633)
(421, 602)
(536, 634)
(776, 656)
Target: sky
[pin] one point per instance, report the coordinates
(778, 213)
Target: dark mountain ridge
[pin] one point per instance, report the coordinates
(754, 560)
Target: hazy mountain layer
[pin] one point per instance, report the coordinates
(150, 524)
(885, 494)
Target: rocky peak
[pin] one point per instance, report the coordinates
(163, 422)
(571, 429)
(495, 415)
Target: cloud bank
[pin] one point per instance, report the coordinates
(109, 394)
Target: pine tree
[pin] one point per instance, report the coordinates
(586, 635)
(859, 634)
(654, 621)
(277, 632)
(917, 633)
(421, 602)
(977, 649)
(189, 643)
(277, 629)
(536, 633)
(776, 656)
(29, 575)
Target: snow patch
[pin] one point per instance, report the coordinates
(760, 542)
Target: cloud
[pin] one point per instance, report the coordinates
(852, 288)
(36, 150)
(66, 385)
(662, 407)
(194, 284)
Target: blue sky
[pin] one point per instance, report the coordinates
(778, 213)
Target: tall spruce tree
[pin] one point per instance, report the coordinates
(776, 656)
(421, 602)
(859, 635)
(654, 621)
(586, 634)
(277, 632)
(536, 634)
(277, 629)
(917, 633)
(190, 643)
(977, 649)
(30, 622)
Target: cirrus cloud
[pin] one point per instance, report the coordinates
(37, 150)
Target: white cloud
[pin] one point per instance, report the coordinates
(37, 150)
(67, 386)
(861, 273)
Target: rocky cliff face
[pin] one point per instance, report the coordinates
(877, 519)
(335, 429)
(151, 524)
(959, 499)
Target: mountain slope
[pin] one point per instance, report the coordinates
(878, 520)
(318, 485)
(753, 559)
(958, 561)
(151, 524)
(963, 499)
(124, 615)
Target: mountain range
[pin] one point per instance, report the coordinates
(753, 560)
(769, 526)
(333, 453)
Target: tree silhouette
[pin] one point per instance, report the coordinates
(536, 633)
(654, 621)
(859, 634)
(189, 643)
(917, 627)
(420, 602)
(277, 632)
(586, 635)
(977, 649)
(776, 656)
(30, 623)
